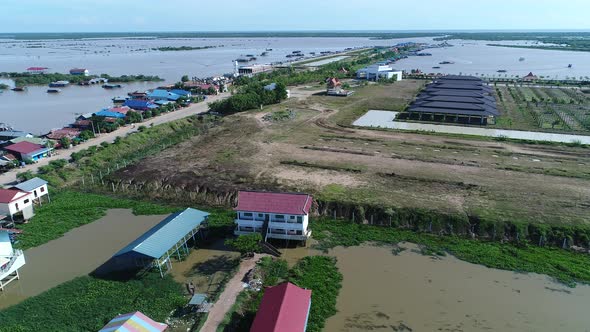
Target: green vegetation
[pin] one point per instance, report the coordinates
(21, 79)
(69, 209)
(183, 48)
(250, 96)
(4, 86)
(87, 304)
(246, 244)
(565, 266)
(318, 273)
(98, 161)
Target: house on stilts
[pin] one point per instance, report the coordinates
(168, 239)
(11, 260)
(275, 215)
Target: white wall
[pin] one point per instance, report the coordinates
(5, 245)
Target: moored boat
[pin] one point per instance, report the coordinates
(119, 99)
(19, 88)
(502, 71)
(59, 84)
(112, 86)
(53, 90)
(446, 63)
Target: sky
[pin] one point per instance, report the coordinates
(289, 15)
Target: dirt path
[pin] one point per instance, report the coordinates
(10, 176)
(228, 297)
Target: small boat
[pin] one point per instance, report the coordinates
(436, 67)
(112, 86)
(242, 60)
(269, 49)
(59, 84)
(119, 99)
(446, 63)
(53, 90)
(19, 88)
(296, 52)
(424, 54)
(502, 71)
(249, 55)
(264, 54)
(521, 59)
(569, 66)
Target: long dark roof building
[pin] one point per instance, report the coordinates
(464, 96)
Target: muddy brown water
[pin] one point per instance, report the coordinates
(411, 292)
(77, 253)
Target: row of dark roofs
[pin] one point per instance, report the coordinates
(457, 95)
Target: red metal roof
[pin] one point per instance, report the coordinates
(8, 195)
(24, 147)
(284, 308)
(121, 109)
(287, 203)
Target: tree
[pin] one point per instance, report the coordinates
(184, 78)
(246, 244)
(211, 91)
(65, 142)
(133, 117)
(86, 135)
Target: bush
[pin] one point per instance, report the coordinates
(246, 244)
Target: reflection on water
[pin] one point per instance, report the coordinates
(76, 254)
(385, 292)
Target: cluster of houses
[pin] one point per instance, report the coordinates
(18, 147)
(17, 205)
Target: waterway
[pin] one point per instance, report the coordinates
(412, 292)
(386, 119)
(79, 252)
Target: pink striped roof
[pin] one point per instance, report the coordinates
(133, 322)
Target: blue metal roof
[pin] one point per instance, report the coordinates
(109, 114)
(31, 184)
(163, 94)
(181, 92)
(139, 104)
(162, 237)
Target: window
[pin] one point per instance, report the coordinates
(299, 232)
(42, 189)
(16, 206)
(279, 216)
(299, 219)
(26, 201)
(247, 214)
(291, 217)
(260, 215)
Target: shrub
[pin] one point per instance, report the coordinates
(246, 244)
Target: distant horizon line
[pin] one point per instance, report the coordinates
(306, 31)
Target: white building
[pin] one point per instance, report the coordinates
(275, 215)
(35, 186)
(378, 71)
(16, 204)
(10, 260)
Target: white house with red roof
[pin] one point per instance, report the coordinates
(284, 308)
(275, 215)
(16, 204)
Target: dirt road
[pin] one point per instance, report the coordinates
(9, 178)
(228, 297)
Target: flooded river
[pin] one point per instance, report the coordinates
(386, 292)
(77, 253)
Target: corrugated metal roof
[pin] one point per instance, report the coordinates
(284, 308)
(268, 202)
(31, 184)
(162, 237)
(135, 321)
